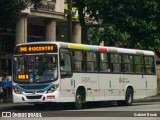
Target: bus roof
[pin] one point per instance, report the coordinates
(94, 48)
(105, 49)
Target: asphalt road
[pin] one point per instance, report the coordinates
(96, 111)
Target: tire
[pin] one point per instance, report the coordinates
(129, 97)
(79, 100)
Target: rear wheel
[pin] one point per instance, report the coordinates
(79, 100)
(128, 98)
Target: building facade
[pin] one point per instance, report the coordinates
(47, 23)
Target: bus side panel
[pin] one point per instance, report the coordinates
(67, 91)
(113, 89)
(90, 83)
(138, 84)
(69, 86)
(151, 85)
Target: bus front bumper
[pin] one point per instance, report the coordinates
(36, 97)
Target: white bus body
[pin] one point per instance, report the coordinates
(82, 86)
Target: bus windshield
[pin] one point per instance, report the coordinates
(35, 69)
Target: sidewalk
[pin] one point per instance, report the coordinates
(149, 99)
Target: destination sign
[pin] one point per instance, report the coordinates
(36, 49)
(23, 77)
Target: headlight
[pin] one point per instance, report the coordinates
(52, 89)
(17, 90)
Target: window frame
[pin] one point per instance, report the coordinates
(115, 63)
(91, 61)
(124, 63)
(151, 66)
(107, 62)
(139, 64)
(73, 61)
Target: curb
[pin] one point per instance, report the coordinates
(150, 99)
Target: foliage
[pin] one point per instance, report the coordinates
(132, 23)
(94, 35)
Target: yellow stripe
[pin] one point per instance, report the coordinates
(81, 47)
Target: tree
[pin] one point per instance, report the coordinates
(85, 8)
(9, 9)
(80, 4)
(132, 23)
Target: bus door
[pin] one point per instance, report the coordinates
(66, 83)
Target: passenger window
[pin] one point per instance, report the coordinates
(91, 61)
(77, 61)
(149, 65)
(104, 67)
(139, 64)
(116, 62)
(128, 63)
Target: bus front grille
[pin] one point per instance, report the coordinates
(34, 97)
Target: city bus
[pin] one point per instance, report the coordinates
(59, 72)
